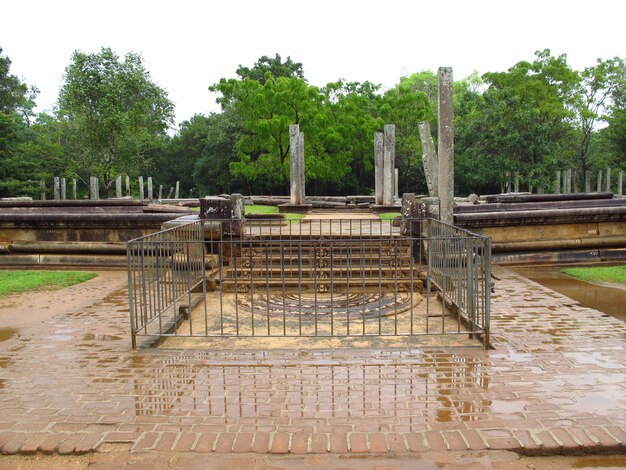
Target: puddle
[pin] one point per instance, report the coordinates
(605, 463)
(100, 337)
(7, 333)
(606, 299)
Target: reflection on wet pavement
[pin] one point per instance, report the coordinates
(556, 367)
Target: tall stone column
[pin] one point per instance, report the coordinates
(389, 161)
(599, 182)
(118, 186)
(620, 177)
(57, 188)
(379, 177)
(587, 181)
(445, 151)
(608, 180)
(296, 165)
(558, 183)
(63, 189)
(429, 158)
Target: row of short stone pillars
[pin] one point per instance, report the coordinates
(146, 191)
(564, 182)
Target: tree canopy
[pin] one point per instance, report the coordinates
(538, 116)
(114, 108)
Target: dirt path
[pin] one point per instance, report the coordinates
(19, 311)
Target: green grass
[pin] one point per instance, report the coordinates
(261, 209)
(616, 274)
(389, 215)
(14, 282)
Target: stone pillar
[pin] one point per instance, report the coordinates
(516, 183)
(160, 192)
(558, 183)
(620, 177)
(303, 167)
(569, 180)
(57, 188)
(599, 182)
(94, 193)
(150, 194)
(42, 187)
(446, 144)
(507, 183)
(429, 158)
(379, 176)
(177, 190)
(565, 190)
(389, 162)
(608, 180)
(587, 181)
(118, 187)
(74, 196)
(63, 189)
(127, 185)
(396, 178)
(141, 193)
(296, 162)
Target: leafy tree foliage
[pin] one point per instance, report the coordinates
(272, 65)
(114, 110)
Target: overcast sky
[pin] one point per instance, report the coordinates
(188, 45)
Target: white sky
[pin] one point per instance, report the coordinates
(188, 45)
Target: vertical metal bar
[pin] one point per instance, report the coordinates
(267, 285)
(236, 250)
(314, 271)
(380, 285)
(282, 274)
(131, 294)
(252, 288)
(332, 287)
(300, 287)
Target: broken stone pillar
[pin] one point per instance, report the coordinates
(118, 187)
(620, 177)
(160, 191)
(57, 188)
(587, 181)
(558, 183)
(177, 190)
(63, 189)
(389, 161)
(396, 191)
(599, 182)
(74, 189)
(379, 178)
(141, 192)
(429, 158)
(445, 152)
(127, 185)
(150, 193)
(608, 180)
(94, 190)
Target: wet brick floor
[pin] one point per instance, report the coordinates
(555, 383)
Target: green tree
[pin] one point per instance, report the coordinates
(115, 110)
(266, 111)
(406, 105)
(522, 123)
(273, 65)
(591, 103)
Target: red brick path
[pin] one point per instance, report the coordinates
(555, 383)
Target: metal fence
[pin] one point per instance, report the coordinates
(325, 278)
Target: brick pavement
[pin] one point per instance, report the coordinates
(554, 384)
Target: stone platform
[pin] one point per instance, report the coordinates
(554, 384)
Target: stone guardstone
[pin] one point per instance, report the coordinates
(228, 209)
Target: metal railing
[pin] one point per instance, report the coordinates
(333, 278)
